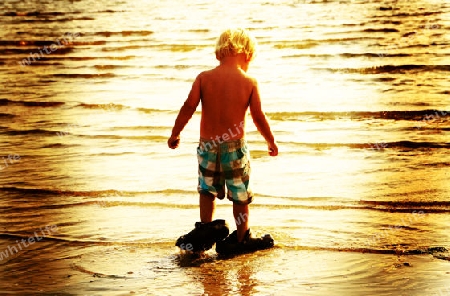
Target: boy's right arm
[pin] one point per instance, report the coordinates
(185, 114)
(260, 120)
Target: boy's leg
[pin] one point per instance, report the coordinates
(207, 232)
(241, 217)
(207, 207)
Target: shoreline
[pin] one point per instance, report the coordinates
(162, 270)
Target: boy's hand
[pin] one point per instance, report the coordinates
(273, 149)
(173, 142)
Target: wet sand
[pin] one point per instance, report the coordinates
(136, 269)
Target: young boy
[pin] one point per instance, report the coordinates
(226, 92)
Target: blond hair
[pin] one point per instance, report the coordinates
(234, 41)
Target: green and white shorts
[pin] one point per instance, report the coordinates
(225, 164)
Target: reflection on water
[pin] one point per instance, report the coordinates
(357, 94)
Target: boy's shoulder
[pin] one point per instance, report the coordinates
(218, 72)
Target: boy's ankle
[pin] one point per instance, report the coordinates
(244, 236)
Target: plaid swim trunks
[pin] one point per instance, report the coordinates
(227, 163)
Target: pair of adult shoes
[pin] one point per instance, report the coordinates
(231, 245)
(204, 236)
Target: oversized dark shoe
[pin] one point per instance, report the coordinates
(204, 236)
(230, 245)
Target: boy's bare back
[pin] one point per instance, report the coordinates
(226, 93)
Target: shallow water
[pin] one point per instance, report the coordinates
(357, 93)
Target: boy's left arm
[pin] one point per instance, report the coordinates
(185, 114)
